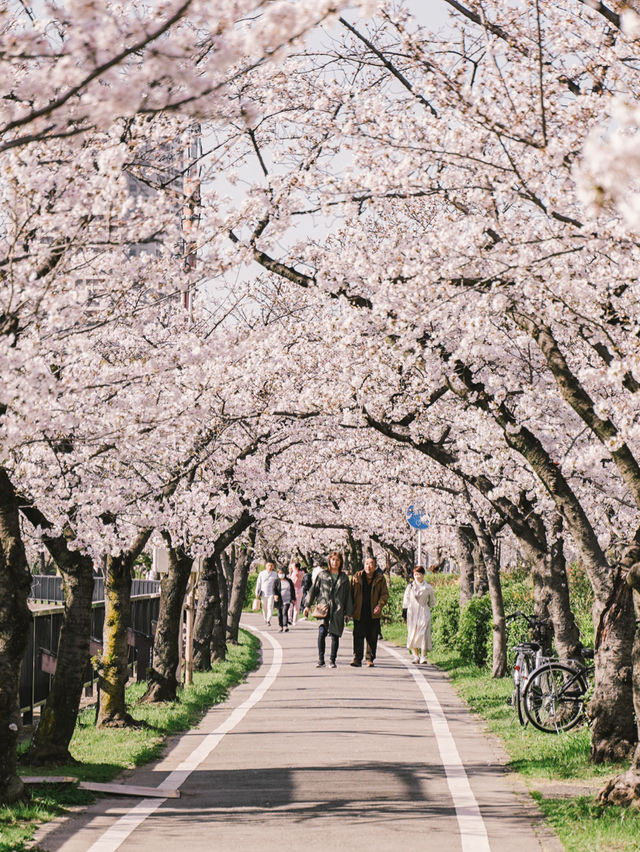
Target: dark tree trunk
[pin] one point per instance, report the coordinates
(219, 632)
(59, 715)
(211, 615)
(624, 789)
(208, 598)
(480, 579)
(404, 557)
(163, 681)
(485, 542)
(551, 593)
(614, 732)
(114, 668)
(467, 573)
(239, 588)
(15, 618)
(228, 561)
(355, 553)
(50, 743)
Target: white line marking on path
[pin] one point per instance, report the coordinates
(115, 836)
(473, 832)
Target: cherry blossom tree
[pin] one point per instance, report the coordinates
(459, 238)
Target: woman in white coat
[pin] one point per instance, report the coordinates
(418, 599)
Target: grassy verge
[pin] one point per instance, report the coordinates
(581, 824)
(584, 826)
(105, 753)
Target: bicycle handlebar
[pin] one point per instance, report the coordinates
(531, 619)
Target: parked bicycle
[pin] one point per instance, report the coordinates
(556, 692)
(529, 656)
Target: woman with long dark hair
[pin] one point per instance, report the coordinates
(330, 601)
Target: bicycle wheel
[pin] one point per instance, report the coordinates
(525, 670)
(554, 697)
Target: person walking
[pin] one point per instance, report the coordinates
(305, 588)
(295, 575)
(284, 596)
(418, 599)
(370, 593)
(264, 590)
(332, 591)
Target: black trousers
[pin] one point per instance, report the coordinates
(283, 615)
(323, 630)
(365, 630)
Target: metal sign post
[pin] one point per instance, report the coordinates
(417, 518)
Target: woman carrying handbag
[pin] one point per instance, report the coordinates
(330, 601)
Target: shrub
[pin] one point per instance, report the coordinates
(250, 593)
(392, 612)
(474, 631)
(581, 601)
(446, 616)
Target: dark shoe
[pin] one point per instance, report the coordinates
(355, 662)
(370, 663)
(320, 664)
(332, 664)
(286, 630)
(281, 629)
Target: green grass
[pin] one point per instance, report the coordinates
(584, 826)
(105, 753)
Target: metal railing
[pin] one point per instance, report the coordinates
(48, 588)
(38, 664)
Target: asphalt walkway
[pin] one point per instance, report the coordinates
(371, 759)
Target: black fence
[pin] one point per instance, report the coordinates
(48, 589)
(39, 662)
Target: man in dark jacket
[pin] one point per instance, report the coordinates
(370, 593)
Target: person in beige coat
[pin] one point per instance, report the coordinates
(418, 599)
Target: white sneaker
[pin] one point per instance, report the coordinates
(415, 660)
(423, 659)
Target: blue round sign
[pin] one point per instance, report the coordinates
(417, 518)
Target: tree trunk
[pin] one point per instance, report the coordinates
(114, 668)
(485, 541)
(239, 588)
(551, 585)
(481, 581)
(624, 789)
(50, 743)
(209, 615)
(163, 682)
(466, 566)
(219, 632)
(550, 576)
(59, 715)
(355, 553)
(614, 732)
(15, 618)
(205, 613)
(405, 558)
(228, 561)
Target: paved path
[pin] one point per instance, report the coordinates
(385, 758)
